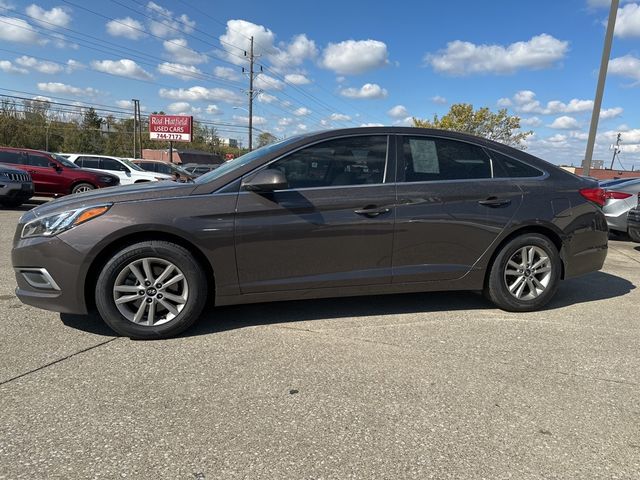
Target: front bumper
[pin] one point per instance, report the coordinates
(12, 190)
(64, 272)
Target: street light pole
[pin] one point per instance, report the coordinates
(597, 102)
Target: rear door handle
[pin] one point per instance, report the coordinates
(495, 202)
(372, 211)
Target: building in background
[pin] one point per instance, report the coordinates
(229, 142)
(182, 156)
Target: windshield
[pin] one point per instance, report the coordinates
(180, 170)
(64, 161)
(241, 161)
(132, 165)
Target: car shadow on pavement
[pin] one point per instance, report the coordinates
(28, 205)
(592, 287)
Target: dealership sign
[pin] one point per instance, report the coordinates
(174, 128)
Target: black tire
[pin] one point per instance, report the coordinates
(635, 235)
(82, 187)
(497, 289)
(160, 251)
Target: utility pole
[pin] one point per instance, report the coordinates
(252, 93)
(135, 126)
(616, 150)
(597, 103)
(139, 129)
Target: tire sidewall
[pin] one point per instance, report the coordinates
(83, 184)
(497, 289)
(175, 254)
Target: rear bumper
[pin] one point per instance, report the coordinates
(585, 250)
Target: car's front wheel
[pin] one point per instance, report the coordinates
(82, 187)
(525, 274)
(151, 290)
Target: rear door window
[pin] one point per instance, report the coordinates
(507, 167)
(111, 164)
(432, 159)
(88, 162)
(12, 157)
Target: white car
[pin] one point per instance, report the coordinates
(126, 171)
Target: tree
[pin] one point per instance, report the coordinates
(498, 126)
(265, 138)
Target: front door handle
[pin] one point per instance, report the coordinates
(372, 211)
(495, 202)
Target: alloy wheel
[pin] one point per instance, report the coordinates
(528, 272)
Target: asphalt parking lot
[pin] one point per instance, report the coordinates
(403, 386)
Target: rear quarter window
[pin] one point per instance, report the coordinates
(507, 167)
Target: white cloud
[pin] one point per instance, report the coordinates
(404, 122)
(608, 113)
(198, 93)
(180, 52)
(301, 112)
(122, 68)
(368, 90)
(627, 66)
(39, 65)
(564, 123)
(439, 100)
(18, 30)
(531, 122)
(124, 103)
(235, 41)
(628, 21)
(214, 110)
(57, 87)
(297, 79)
(301, 127)
(266, 98)
(57, 17)
(339, 117)
(353, 57)
(226, 73)
(285, 122)
(165, 24)
(7, 67)
(125, 27)
(371, 124)
(178, 107)
(73, 65)
(184, 72)
(524, 101)
(257, 119)
(465, 58)
(578, 135)
(399, 111)
(557, 138)
(267, 82)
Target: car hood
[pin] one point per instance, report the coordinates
(124, 193)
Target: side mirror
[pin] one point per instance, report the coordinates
(266, 181)
(55, 166)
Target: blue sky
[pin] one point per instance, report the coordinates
(335, 64)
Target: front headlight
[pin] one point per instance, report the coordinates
(56, 223)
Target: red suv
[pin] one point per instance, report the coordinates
(53, 175)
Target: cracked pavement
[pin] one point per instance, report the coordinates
(437, 385)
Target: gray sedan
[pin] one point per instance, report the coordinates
(620, 199)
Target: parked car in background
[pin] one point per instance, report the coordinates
(361, 211)
(196, 169)
(16, 186)
(54, 175)
(126, 171)
(620, 198)
(634, 222)
(611, 182)
(160, 167)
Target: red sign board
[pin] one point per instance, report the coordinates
(175, 128)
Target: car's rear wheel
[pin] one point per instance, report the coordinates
(525, 274)
(82, 187)
(151, 290)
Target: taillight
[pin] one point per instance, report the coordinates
(616, 195)
(595, 195)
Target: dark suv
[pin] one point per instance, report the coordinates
(53, 175)
(362, 211)
(16, 186)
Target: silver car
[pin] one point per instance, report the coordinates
(620, 199)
